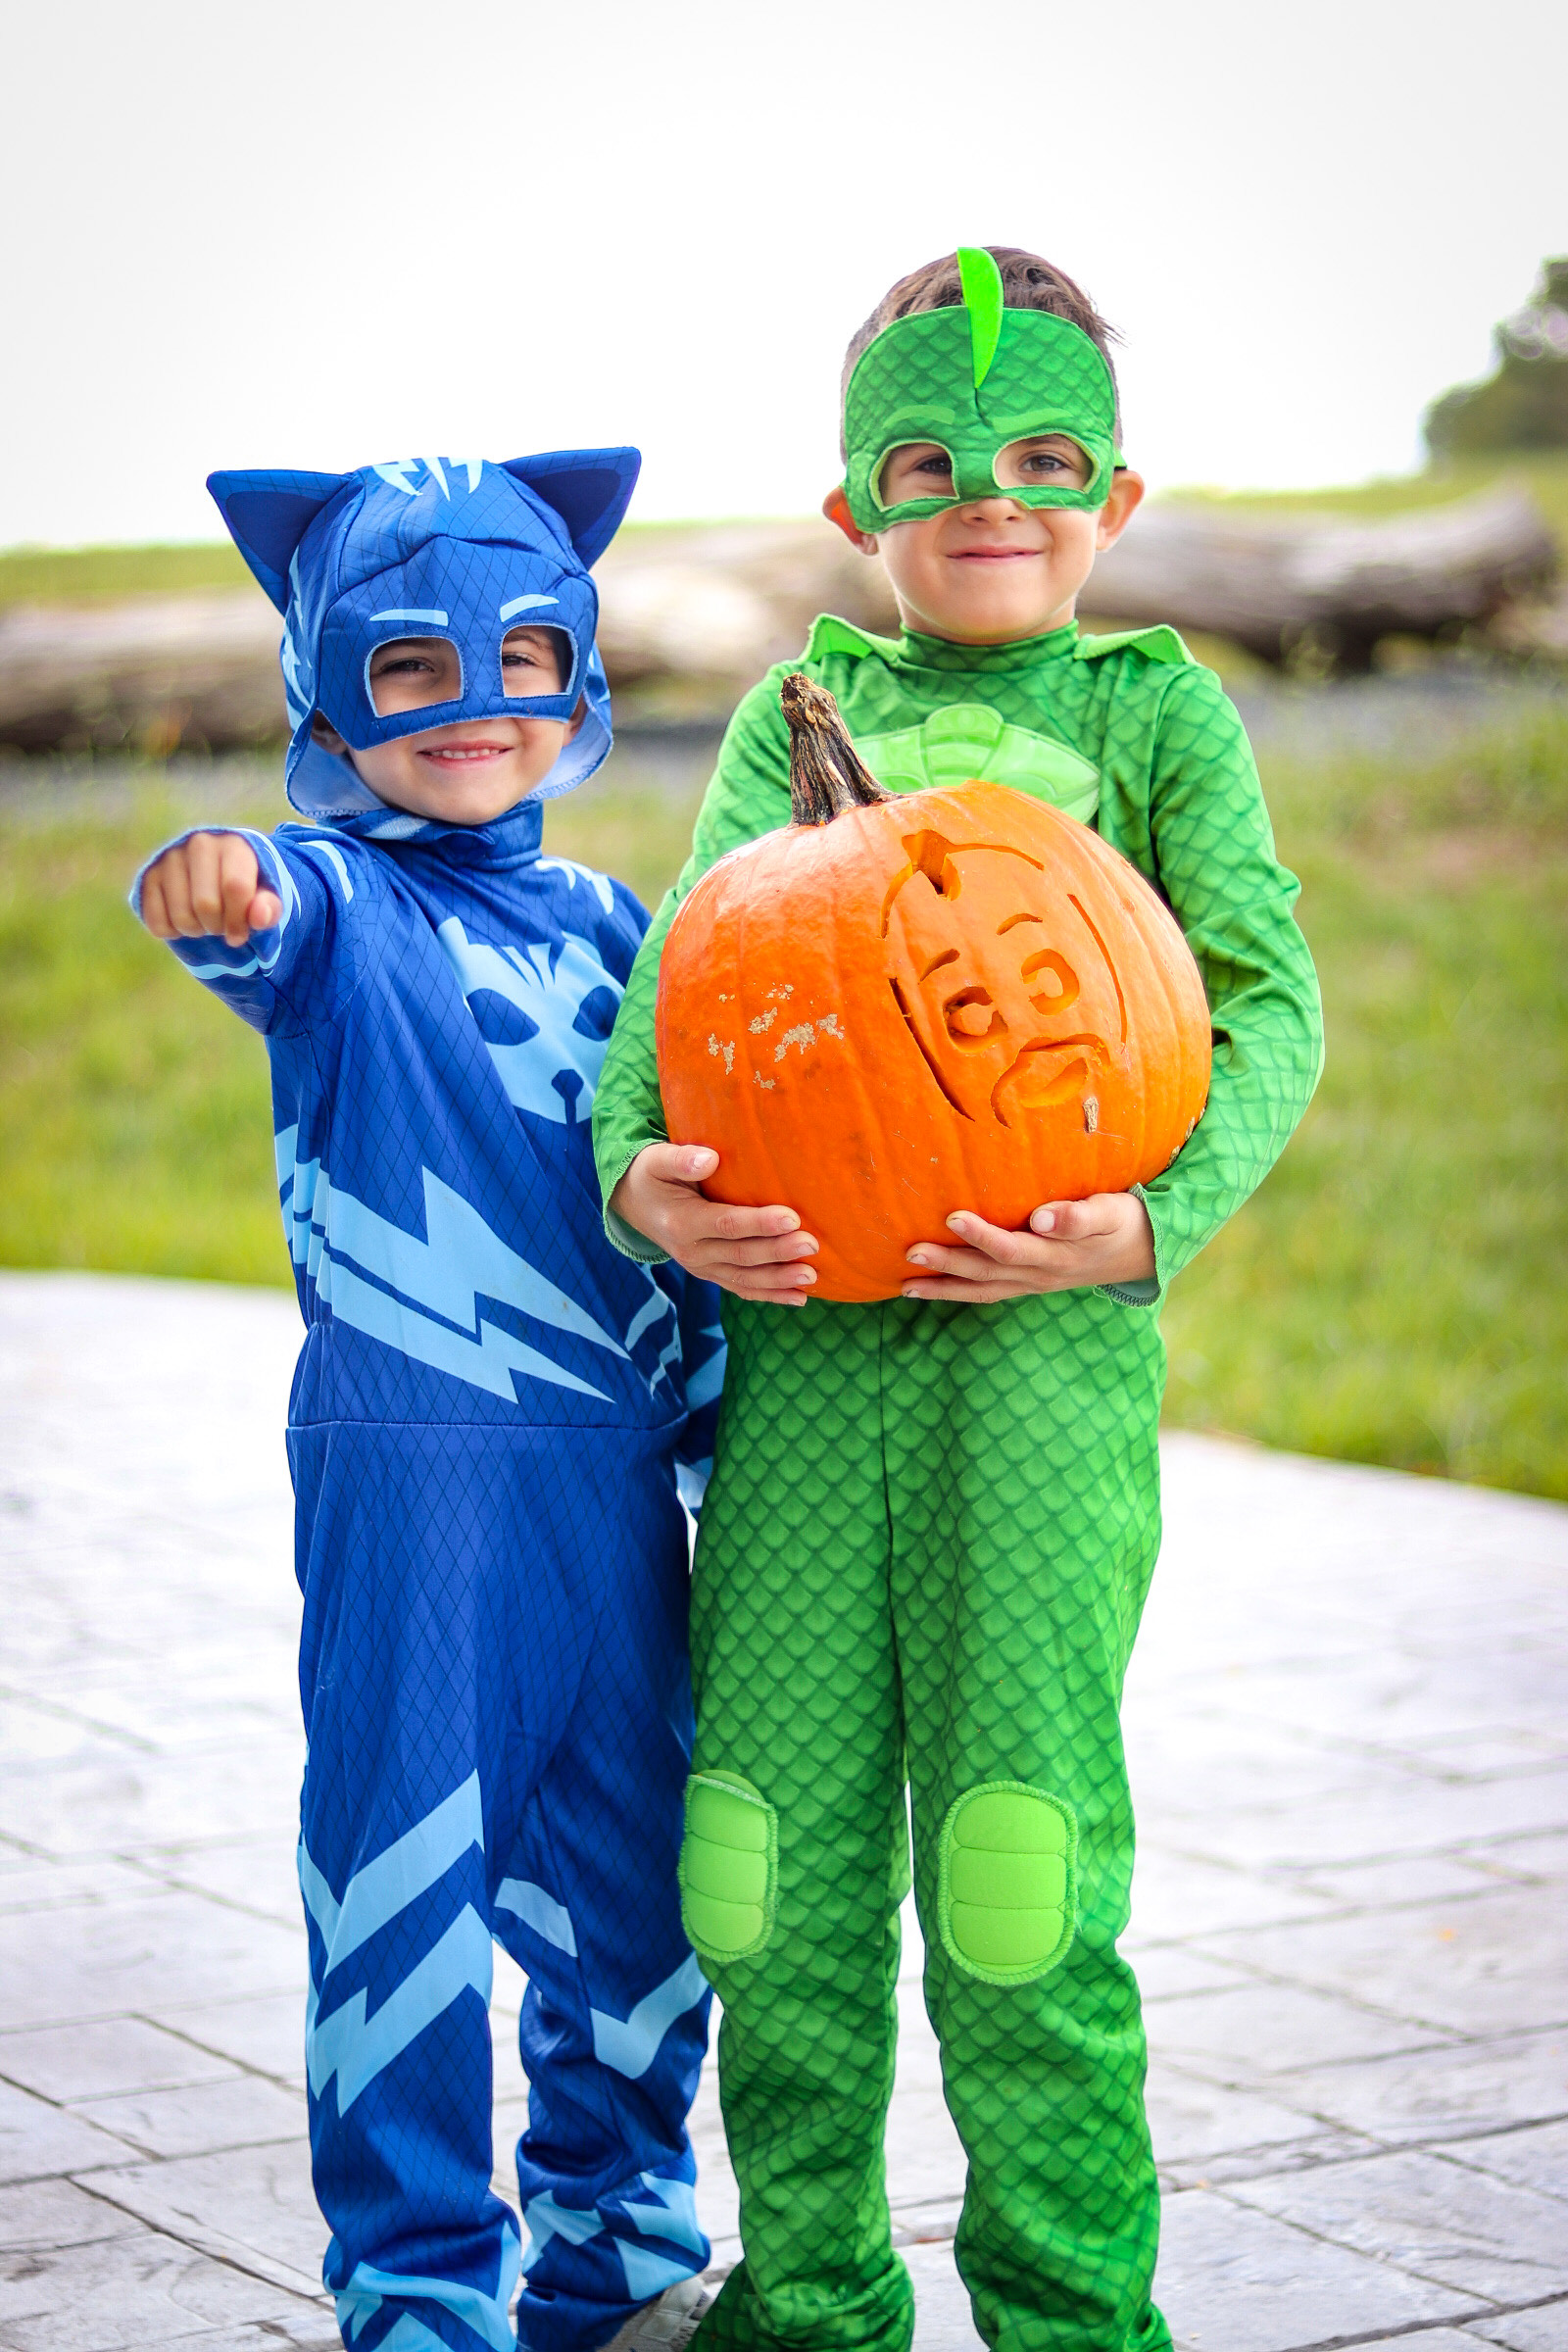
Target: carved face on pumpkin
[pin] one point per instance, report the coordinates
(1005, 985)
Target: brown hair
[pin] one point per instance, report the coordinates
(1029, 282)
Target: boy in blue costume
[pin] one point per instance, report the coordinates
(494, 1415)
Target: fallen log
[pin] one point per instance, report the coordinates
(147, 675)
(692, 615)
(689, 619)
(1334, 587)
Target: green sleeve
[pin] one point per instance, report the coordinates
(1213, 847)
(749, 795)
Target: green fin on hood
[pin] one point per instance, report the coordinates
(983, 299)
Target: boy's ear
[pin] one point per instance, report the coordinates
(268, 512)
(836, 507)
(1126, 497)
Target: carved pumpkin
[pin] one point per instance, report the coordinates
(905, 1003)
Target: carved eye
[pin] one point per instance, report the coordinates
(1065, 991)
(971, 1017)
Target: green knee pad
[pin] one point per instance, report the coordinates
(1006, 1892)
(728, 1865)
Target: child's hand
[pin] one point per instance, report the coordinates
(1068, 1246)
(755, 1253)
(208, 888)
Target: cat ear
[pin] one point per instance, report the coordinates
(269, 513)
(588, 488)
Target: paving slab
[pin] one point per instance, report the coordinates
(1248, 2033)
(1427, 2340)
(61, 1966)
(104, 2060)
(265, 2035)
(1487, 1961)
(126, 2291)
(258, 2215)
(1542, 2330)
(1437, 2219)
(1535, 2159)
(1205, 2128)
(57, 2213)
(1461, 2086)
(1348, 1745)
(1235, 2280)
(38, 2139)
(239, 2112)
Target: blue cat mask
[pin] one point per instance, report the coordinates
(430, 547)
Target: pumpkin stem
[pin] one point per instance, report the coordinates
(827, 775)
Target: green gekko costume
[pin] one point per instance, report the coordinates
(924, 1553)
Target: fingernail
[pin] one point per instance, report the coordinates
(806, 1275)
(957, 1222)
(917, 1258)
(1043, 1221)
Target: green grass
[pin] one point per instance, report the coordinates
(102, 575)
(1543, 474)
(1395, 1293)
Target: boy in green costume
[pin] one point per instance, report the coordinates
(932, 1521)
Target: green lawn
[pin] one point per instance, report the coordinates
(1543, 473)
(1396, 1294)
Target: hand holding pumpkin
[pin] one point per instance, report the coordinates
(756, 1253)
(1069, 1245)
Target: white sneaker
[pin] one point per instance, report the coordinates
(668, 2323)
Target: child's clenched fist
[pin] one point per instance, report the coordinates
(208, 887)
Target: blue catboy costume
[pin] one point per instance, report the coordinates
(490, 1416)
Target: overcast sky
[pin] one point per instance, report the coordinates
(319, 234)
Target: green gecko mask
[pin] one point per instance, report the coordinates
(975, 379)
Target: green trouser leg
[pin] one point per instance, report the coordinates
(930, 1530)
(793, 1663)
(1023, 1497)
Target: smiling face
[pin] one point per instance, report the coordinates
(475, 769)
(1003, 981)
(991, 570)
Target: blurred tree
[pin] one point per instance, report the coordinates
(1524, 403)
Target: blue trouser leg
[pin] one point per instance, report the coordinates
(615, 2021)
(464, 1589)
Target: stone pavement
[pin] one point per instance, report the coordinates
(1349, 1749)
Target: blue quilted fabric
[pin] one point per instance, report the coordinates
(494, 1421)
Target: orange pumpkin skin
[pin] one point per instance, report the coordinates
(953, 999)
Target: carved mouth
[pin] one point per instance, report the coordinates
(1050, 1071)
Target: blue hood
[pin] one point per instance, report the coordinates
(458, 548)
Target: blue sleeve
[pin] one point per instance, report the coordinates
(287, 977)
(702, 1350)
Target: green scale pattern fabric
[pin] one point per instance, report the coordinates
(917, 382)
(922, 1559)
